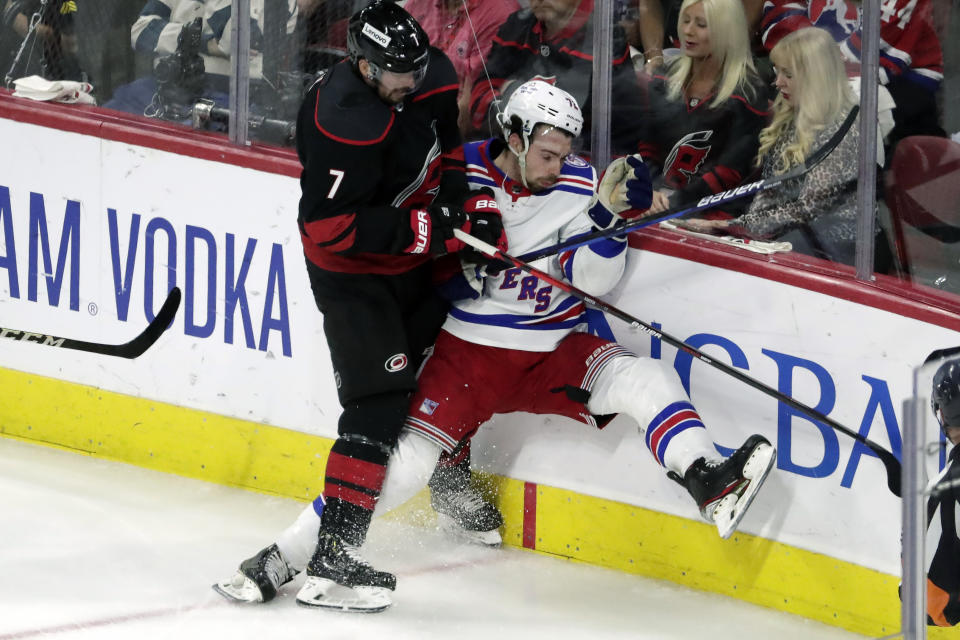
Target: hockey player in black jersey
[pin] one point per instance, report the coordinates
(943, 539)
(376, 205)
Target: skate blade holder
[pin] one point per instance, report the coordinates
(239, 589)
(730, 511)
(323, 593)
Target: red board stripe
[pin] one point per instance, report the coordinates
(529, 515)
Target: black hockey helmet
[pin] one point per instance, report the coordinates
(945, 396)
(388, 38)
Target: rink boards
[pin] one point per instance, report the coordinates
(97, 223)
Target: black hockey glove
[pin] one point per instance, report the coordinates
(485, 221)
(486, 225)
(433, 227)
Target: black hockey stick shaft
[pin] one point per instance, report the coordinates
(132, 349)
(889, 461)
(708, 202)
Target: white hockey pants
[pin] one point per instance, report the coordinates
(641, 388)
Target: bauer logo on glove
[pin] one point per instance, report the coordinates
(490, 204)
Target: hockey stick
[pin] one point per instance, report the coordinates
(708, 202)
(131, 349)
(889, 461)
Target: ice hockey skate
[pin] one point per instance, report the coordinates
(258, 578)
(461, 510)
(338, 578)
(724, 489)
(465, 514)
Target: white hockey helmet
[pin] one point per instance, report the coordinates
(535, 102)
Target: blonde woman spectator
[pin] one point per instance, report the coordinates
(705, 113)
(911, 59)
(817, 213)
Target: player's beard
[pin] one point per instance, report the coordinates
(393, 97)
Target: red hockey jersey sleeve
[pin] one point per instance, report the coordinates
(908, 42)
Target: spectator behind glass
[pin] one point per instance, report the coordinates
(817, 213)
(157, 33)
(670, 14)
(911, 61)
(642, 20)
(553, 41)
(700, 129)
(51, 48)
(325, 31)
(455, 28)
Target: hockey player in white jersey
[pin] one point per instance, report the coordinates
(517, 344)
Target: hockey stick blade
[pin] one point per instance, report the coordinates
(132, 349)
(708, 202)
(889, 460)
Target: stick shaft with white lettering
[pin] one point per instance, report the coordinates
(708, 202)
(889, 461)
(132, 349)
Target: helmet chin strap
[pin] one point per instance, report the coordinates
(522, 159)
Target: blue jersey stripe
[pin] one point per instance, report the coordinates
(580, 191)
(512, 321)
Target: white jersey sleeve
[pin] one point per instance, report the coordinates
(596, 268)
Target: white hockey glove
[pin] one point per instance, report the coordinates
(625, 191)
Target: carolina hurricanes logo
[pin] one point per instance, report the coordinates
(686, 158)
(396, 363)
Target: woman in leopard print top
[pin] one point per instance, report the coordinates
(816, 212)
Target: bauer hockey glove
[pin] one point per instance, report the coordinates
(485, 221)
(625, 191)
(433, 229)
(486, 224)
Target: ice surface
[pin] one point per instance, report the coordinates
(98, 549)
